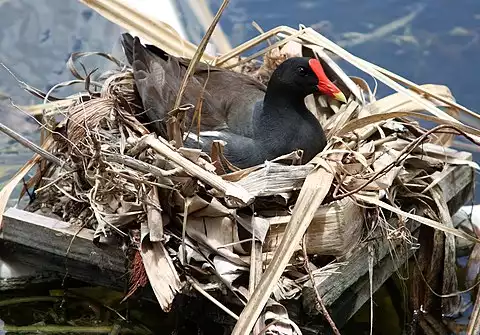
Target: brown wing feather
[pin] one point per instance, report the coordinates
(228, 98)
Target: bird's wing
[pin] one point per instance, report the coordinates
(241, 151)
(158, 81)
(227, 97)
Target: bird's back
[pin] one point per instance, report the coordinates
(228, 97)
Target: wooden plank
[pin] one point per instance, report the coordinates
(57, 267)
(353, 298)
(59, 238)
(347, 291)
(42, 243)
(15, 274)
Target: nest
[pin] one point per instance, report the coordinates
(186, 222)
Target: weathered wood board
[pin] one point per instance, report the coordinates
(57, 246)
(47, 267)
(17, 274)
(345, 292)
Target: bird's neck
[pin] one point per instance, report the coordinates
(281, 100)
(282, 108)
(284, 124)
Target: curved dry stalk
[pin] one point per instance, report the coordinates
(309, 35)
(204, 15)
(367, 120)
(325, 312)
(173, 131)
(420, 89)
(32, 146)
(199, 52)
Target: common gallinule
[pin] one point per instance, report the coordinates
(258, 123)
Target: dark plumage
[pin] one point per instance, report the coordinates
(258, 123)
(228, 98)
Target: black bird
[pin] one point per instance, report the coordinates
(257, 123)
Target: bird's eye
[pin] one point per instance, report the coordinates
(302, 71)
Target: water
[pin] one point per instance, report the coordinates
(440, 45)
(36, 39)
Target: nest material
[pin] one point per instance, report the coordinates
(128, 183)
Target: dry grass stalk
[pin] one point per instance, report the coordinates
(234, 191)
(197, 287)
(191, 68)
(205, 16)
(324, 309)
(32, 146)
(474, 324)
(311, 196)
(425, 91)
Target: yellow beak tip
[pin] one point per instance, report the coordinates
(340, 97)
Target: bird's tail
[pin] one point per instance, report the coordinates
(158, 77)
(157, 80)
(127, 43)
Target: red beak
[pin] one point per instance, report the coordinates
(325, 86)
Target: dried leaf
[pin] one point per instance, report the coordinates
(154, 216)
(161, 273)
(214, 234)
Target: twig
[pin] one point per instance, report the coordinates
(212, 299)
(56, 180)
(225, 187)
(306, 265)
(32, 146)
(199, 53)
(141, 166)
